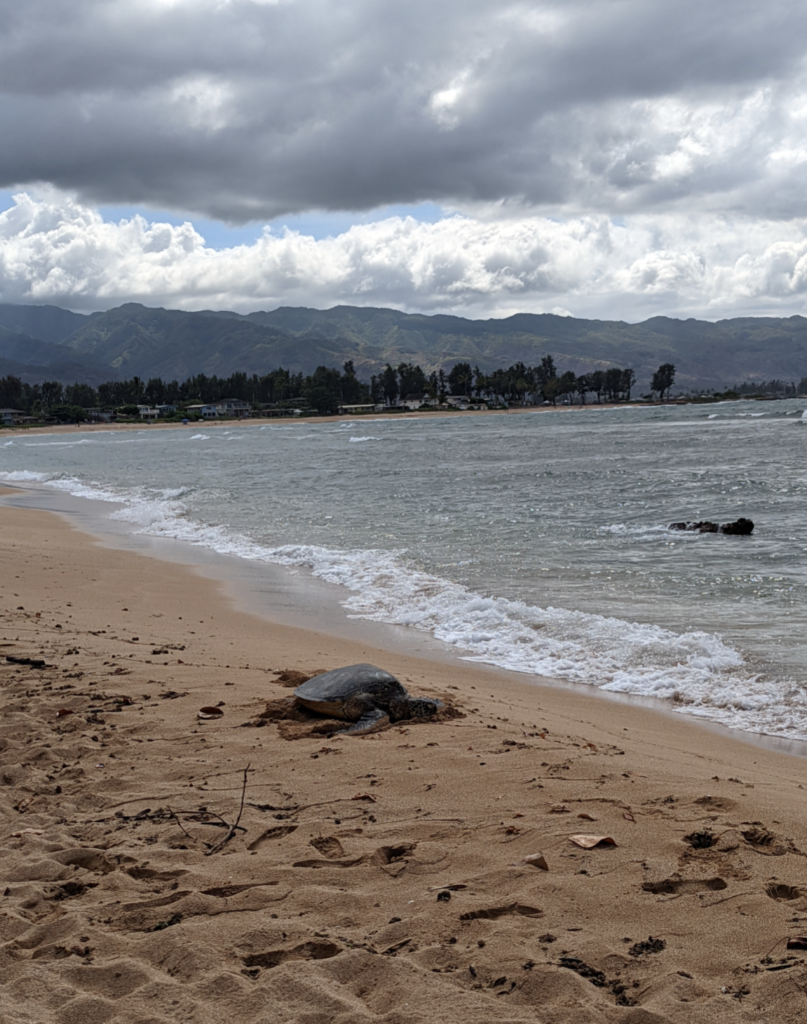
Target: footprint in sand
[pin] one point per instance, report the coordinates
(758, 835)
(226, 891)
(783, 893)
(768, 843)
(328, 846)
(350, 862)
(68, 890)
(716, 803)
(703, 839)
(678, 886)
(491, 913)
(141, 873)
(391, 854)
(272, 833)
(306, 951)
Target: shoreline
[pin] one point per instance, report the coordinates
(327, 907)
(71, 428)
(294, 598)
(261, 421)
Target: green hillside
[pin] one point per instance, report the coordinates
(706, 354)
(137, 340)
(34, 361)
(47, 323)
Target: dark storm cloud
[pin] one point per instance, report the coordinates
(244, 110)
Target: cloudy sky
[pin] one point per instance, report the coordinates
(604, 158)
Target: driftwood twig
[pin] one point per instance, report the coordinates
(176, 819)
(232, 829)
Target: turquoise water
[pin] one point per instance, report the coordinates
(536, 542)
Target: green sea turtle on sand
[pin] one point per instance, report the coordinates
(365, 695)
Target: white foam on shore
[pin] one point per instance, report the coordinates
(23, 476)
(695, 671)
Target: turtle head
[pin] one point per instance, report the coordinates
(415, 707)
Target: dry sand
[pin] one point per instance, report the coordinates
(375, 878)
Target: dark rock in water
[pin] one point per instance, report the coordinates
(739, 528)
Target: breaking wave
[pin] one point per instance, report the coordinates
(695, 672)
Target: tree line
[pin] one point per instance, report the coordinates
(326, 389)
(518, 384)
(775, 387)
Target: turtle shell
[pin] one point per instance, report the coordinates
(328, 692)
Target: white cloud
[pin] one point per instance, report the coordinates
(55, 250)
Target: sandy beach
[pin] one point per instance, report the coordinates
(262, 421)
(390, 877)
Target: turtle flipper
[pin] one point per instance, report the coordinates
(373, 718)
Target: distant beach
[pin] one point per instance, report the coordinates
(69, 428)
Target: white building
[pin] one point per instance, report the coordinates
(207, 412)
(233, 407)
(414, 401)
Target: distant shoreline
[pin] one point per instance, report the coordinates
(71, 428)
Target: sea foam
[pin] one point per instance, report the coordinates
(695, 672)
(23, 476)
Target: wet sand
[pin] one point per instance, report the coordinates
(376, 878)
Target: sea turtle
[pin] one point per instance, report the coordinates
(365, 695)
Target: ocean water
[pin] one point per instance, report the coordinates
(537, 542)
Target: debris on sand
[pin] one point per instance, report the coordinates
(650, 946)
(589, 842)
(535, 860)
(210, 712)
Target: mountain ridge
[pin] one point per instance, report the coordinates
(134, 339)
